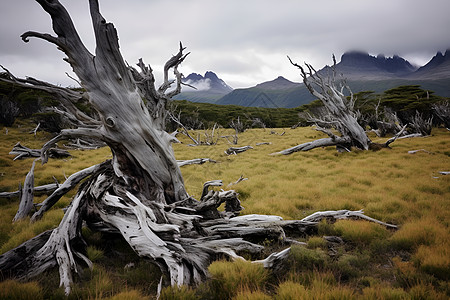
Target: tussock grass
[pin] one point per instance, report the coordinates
(177, 293)
(14, 290)
(360, 232)
(129, 295)
(251, 295)
(230, 277)
(390, 185)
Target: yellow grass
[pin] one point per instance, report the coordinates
(390, 185)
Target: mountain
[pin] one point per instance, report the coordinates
(279, 92)
(362, 66)
(438, 67)
(208, 88)
(363, 72)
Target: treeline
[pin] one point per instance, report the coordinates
(404, 101)
(205, 115)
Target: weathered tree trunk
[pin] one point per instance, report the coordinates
(140, 193)
(24, 152)
(26, 200)
(339, 114)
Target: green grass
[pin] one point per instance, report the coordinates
(372, 263)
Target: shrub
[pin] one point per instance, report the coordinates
(11, 289)
(229, 277)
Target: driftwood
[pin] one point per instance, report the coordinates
(35, 130)
(24, 152)
(26, 200)
(140, 193)
(419, 150)
(38, 190)
(195, 161)
(240, 179)
(236, 150)
(263, 143)
(81, 144)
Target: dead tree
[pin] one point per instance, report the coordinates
(238, 127)
(420, 125)
(24, 152)
(340, 113)
(139, 193)
(442, 112)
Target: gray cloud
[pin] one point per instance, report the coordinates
(244, 42)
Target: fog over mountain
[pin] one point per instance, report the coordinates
(244, 42)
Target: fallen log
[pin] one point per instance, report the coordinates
(236, 150)
(21, 151)
(38, 190)
(195, 161)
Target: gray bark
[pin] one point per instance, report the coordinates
(236, 150)
(26, 201)
(339, 114)
(24, 152)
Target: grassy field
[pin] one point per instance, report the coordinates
(372, 263)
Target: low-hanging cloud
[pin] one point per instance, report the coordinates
(199, 85)
(243, 42)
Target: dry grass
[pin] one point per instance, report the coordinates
(390, 185)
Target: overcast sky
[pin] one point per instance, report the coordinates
(244, 42)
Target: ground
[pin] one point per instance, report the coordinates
(391, 185)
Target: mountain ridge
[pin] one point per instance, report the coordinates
(363, 72)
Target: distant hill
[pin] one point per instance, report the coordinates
(279, 92)
(363, 72)
(209, 88)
